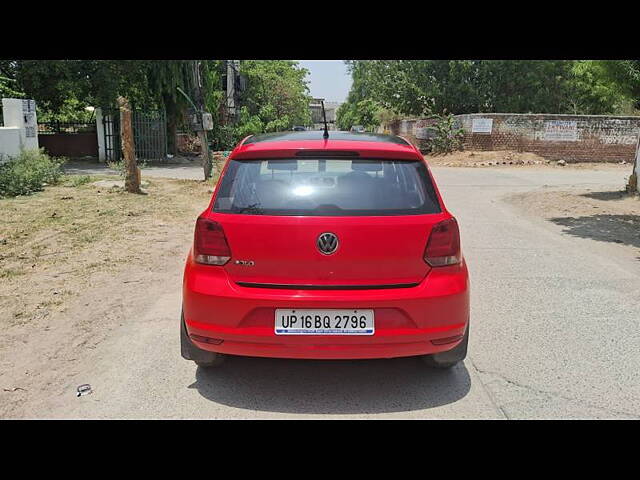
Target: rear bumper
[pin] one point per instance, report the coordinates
(240, 320)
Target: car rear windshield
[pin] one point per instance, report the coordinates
(326, 187)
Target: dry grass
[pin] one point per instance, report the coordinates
(509, 159)
(78, 262)
(486, 158)
(51, 242)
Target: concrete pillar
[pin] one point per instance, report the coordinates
(9, 143)
(21, 114)
(102, 154)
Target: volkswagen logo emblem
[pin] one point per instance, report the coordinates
(327, 243)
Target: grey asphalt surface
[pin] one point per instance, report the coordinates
(554, 334)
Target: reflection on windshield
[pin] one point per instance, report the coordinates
(326, 187)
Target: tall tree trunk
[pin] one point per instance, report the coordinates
(132, 172)
(206, 158)
(172, 124)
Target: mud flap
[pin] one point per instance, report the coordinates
(188, 350)
(451, 357)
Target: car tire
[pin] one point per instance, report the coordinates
(189, 351)
(451, 357)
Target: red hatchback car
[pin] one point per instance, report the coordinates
(326, 249)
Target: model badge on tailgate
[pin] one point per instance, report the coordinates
(245, 263)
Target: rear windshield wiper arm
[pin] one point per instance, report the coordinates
(253, 208)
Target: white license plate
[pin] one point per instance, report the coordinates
(324, 322)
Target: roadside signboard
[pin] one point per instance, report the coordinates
(482, 125)
(561, 130)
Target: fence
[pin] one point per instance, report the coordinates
(573, 138)
(51, 128)
(68, 139)
(149, 134)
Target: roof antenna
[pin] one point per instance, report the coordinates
(325, 135)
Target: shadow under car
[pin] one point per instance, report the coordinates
(331, 386)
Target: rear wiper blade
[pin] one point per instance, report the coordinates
(328, 207)
(253, 208)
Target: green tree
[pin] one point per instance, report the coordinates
(425, 87)
(63, 88)
(591, 91)
(276, 98)
(365, 112)
(626, 75)
(522, 86)
(363, 105)
(9, 87)
(222, 135)
(164, 77)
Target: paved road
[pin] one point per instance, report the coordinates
(554, 335)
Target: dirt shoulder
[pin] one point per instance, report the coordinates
(76, 263)
(510, 158)
(607, 216)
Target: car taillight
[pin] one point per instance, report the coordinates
(209, 244)
(443, 247)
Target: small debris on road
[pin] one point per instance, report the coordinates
(84, 389)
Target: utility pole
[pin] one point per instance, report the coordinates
(233, 66)
(202, 133)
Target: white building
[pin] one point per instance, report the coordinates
(316, 113)
(20, 130)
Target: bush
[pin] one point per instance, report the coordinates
(28, 172)
(448, 135)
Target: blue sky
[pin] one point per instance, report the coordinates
(328, 79)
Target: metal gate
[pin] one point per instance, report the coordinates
(149, 134)
(111, 123)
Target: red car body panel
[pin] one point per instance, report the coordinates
(431, 304)
(290, 257)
